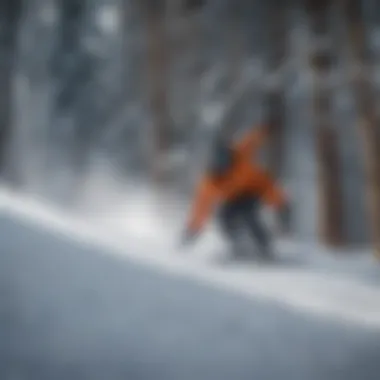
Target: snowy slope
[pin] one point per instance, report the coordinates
(309, 281)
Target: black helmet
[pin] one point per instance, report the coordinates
(221, 157)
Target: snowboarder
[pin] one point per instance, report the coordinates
(239, 186)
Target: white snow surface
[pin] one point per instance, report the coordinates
(140, 231)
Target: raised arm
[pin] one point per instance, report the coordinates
(205, 198)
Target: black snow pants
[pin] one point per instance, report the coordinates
(244, 212)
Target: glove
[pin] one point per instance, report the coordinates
(188, 237)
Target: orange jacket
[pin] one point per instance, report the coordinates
(243, 177)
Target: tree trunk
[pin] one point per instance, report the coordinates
(194, 46)
(274, 102)
(329, 180)
(154, 16)
(369, 129)
(234, 55)
(235, 45)
(10, 12)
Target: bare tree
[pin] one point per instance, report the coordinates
(330, 192)
(369, 124)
